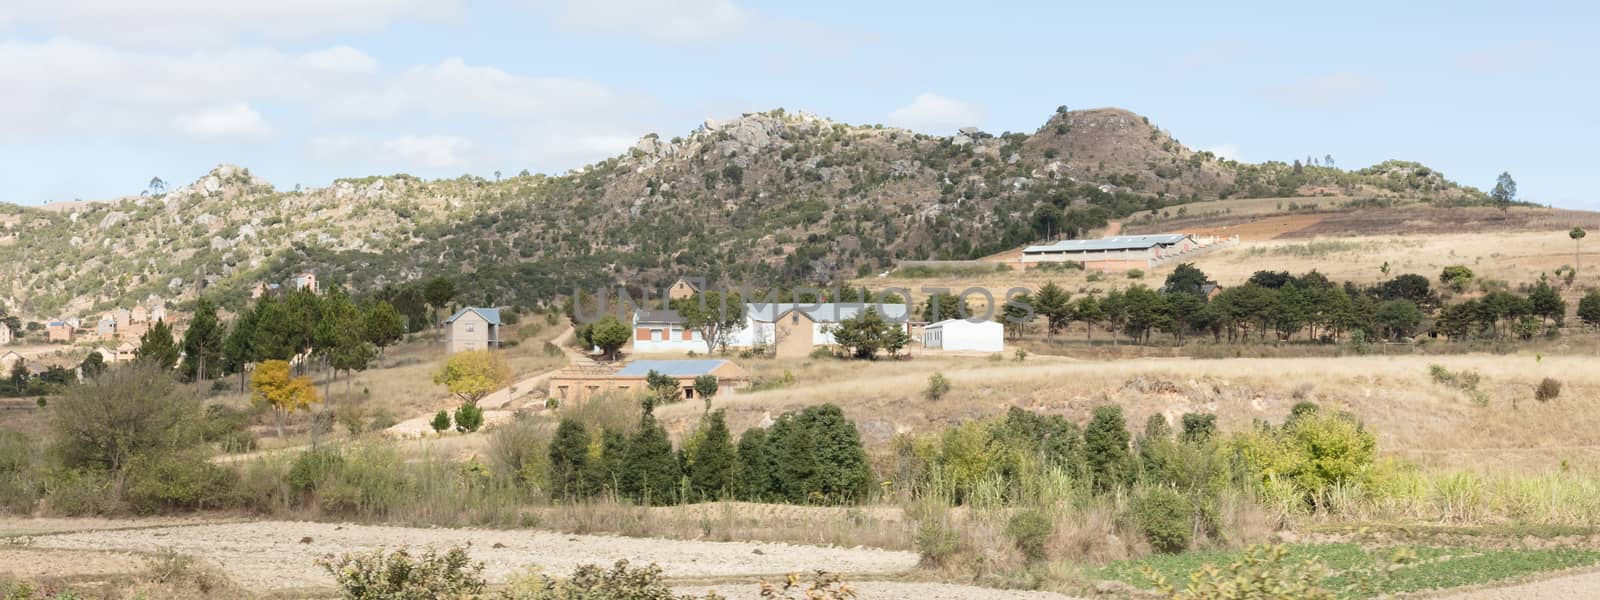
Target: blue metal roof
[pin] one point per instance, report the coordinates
(674, 368)
(492, 315)
(1123, 242)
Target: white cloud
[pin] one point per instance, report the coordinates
(235, 122)
(213, 22)
(1225, 151)
(1334, 92)
(932, 113)
(340, 59)
(661, 20)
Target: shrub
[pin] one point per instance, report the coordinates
(169, 482)
(936, 543)
(1198, 427)
(441, 421)
(1264, 572)
(1165, 518)
(821, 352)
(1105, 445)
(938, 386)
(468, 418)
(519, 449)
(75, 492)
(125, 412)
(1031, 530)
(311, 468)
(353, 416)
(621, 581)
(1135, 274)
(397, 575)
(1549, 389)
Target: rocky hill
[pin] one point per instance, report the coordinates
(767, 197)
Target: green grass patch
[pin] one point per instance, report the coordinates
(1432, 567)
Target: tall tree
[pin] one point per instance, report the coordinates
(156, 347)
(1505, 192)
(438, 293)
(650, 472)
(1577, 235)
(383, 325)
(203, 345)
(714, 315)
(1087, 309)
(285, 394)
(237, 350)
(711, 460)
(569, 456)
(1055, 305)
(1105, 445)
(1186, 278)
(341, 337)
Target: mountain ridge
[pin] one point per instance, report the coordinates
(770, 196)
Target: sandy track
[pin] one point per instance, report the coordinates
(1585, 585)
(893, 590)
(269, 555)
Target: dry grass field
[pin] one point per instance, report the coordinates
(1395, 396)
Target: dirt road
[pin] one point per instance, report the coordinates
(278, 555)
(1582, 585)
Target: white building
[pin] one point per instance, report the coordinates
(961, 334)
(663, 331)
(795, 329)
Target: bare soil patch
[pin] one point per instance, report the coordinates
(279, 555)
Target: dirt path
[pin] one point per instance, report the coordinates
(279, 555)
(1583, 585)
(497, 405)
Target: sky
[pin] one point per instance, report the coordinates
(102, 95)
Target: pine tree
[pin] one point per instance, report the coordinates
(569, 455)
(1105, 445)
(203, 345)
(237, 350)
(441, 421)
(650, 473)
(711, 462)
(755, 468)
(156, 347)
(383, 325)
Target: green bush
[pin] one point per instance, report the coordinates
(1031, 530)
(1165, 518)
(938, 386)
(1105, 447)
(1135, 274)
(75, 492)
(311, 469)
(169, 482)
(469, 418)
(381, 575)
(589, 582)
(441, 421)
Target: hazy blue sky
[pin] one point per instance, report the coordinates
(101, 95)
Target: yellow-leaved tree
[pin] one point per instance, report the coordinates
(274, 386)
(474, 374)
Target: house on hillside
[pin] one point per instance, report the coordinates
(472, 328)
(663, 331)
(305, 281)
(58, 331)
(580, 384)
(1120, 253)
(794, 330)
(962, 334)
(682, 288)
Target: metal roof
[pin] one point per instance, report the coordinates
(645, 315)
(1121, 242)
(672, 368)
(492, 315)
(825, 312)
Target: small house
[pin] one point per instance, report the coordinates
(682, 288)
(580, 384)
(794, 330)
(58, 331)
(962, 334)
(663, 331)
(305, 281)
(472, 328)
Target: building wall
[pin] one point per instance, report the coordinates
(680, 290)
(987, 336)
(666, 337)
(470, 332)
(59, 333)
(795, 335)
(580, 387)
(5, 334)
(1116, 265)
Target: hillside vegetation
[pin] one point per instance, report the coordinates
(768, 197)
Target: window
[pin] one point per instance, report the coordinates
(688, 393)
